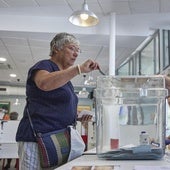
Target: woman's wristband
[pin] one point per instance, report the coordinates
(79, 70)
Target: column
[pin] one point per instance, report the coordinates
(112, 50)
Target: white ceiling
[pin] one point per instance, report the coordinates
(27, 26)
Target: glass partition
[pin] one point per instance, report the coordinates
(166, 50)
(136, 64)
(157, 54)
(145, 61)
(124, 70)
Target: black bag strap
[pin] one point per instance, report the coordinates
(30, 120)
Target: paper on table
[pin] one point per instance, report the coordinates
(141, 167)
(96, 167)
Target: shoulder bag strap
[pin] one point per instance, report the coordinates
(29, 117)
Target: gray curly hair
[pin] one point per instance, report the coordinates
(62, 39)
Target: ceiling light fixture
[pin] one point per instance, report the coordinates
(12, 75)
(84, 17)
(90, 81)
(83, 93)
(2, 59)
(16, 103)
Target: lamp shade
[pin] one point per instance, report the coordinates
(90, 81)
(84, 17)
(83, 93)
(16, 102)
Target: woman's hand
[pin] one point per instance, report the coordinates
(85, 118)
(88, 66)
(167, 81)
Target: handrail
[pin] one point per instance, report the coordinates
(140, 47)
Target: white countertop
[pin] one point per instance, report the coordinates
(91, 160)
(8, 144)
(8, 150)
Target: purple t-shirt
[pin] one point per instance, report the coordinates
(49, 110)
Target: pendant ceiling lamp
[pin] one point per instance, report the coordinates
(83, 93)
(90, 81)
(84, 17)
(16, 102)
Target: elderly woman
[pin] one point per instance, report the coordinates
(51, 100)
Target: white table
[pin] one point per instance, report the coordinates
(91, 160)
(8, 144)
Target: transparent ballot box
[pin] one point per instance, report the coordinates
(130, 117)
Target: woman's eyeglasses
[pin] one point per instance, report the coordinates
(73, 48)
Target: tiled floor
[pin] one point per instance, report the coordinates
(12, 167)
